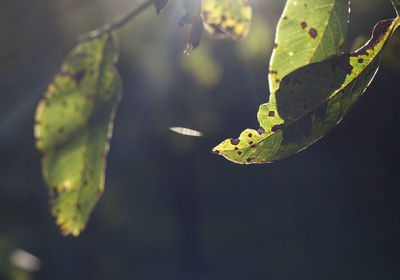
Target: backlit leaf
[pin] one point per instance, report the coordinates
(310, 101)
(73, 126)
(308, 31)
(224, 18)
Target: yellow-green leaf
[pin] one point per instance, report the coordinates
(309, 102)
(224, 18)
(308, 31)
(73, 126)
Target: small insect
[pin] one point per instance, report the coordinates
(186, 131)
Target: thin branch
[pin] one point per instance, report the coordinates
(117, 23)
(396, 5)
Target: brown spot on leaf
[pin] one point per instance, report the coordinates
(360, 60)
(313, 33)
(249, 159)
(271, 114)
(277, 127)
(235, 142)
(239, 153)
(275, 45)
(54, 193)
(236, 148)
(79, 77)
(261, 131)
(341, 62)
(251, 143)
(380, 30)
(250, 135)
(217, 29)
(303, 25)
(216, 152)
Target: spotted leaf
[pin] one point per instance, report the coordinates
(224, 18)
(308, 31)
(73, 125)
(310, 101)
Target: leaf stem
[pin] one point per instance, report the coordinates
(396, 5)
(122, 20)
(118, 22)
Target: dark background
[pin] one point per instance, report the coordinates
(171, 209)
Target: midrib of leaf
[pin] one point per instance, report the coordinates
(84, 164)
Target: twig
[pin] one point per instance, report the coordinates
(116, 23)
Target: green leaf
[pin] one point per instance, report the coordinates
(308, 31)
(310, 101)
(73, 126)
(224, 18)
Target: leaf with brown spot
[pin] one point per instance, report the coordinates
(308, 31)
(224, 18)
(73, 125)
(306, 111)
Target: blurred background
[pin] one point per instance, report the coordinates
(171, 209)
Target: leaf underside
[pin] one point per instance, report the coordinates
(224, 18)
(310, 101)
(192, 16)
(73, 126)
(308, 31)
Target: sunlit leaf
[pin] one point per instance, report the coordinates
(308, 31)
(73, 128)
(224, 18)
(309, 102)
